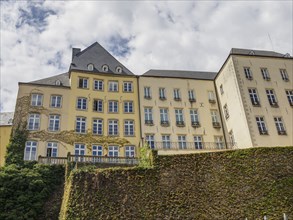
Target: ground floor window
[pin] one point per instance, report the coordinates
(113, 151)
(30, 152)
(129, 151)
(52, 149)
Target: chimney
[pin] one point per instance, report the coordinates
(75, 51)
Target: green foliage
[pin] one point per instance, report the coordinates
(15, 148)
(24, 190)
(145, 156)
(221, 185)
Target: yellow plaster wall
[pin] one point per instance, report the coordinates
(4, 140)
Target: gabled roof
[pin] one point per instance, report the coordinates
(98, 56)
(181, 74)
(62, 78)
(6, 118)
(251, 52)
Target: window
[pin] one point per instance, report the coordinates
(176, 93)
(79, 149)
(83, 83)
(129, 151)
(36, 99)
(97, 150)
(113, 151)
(232, 139)
(118, 69)
(166, 141)
(34, 121)
(80, 124)
(58, 82)
(129, 128)
(198, 142)
(226, 111)
(98, 85)
(191, 95)
(52, 150)
(113, 127)
(215, 120)
(90, 67)
(113, 106)
(221, 89)
(265, 74)
(113, 86)
(98, 126)
(280, 125)
(128, 107)
(162, 94)
(272, 97)
(150, 140)
(248, 73)
(148, 115)
(81, 103)
(254, 97)
(182, 142)
(261, 125)
(219, 142)
(194, 117)
(179, 117)
(127, 87)
(211, 97)
(56, 101)
(284, 75)
(98, 105)
(30, 151)
(289, 94)
(54, 122)
(164, 116)
(147, 93)
(105, 68)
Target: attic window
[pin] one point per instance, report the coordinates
(251, 52)
(58, 82)
(90, 67)
(287, 55)
(105, 68)
(118, 69)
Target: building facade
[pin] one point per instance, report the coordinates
(5, 130)
(179, 110)
(99, 107)
(256, 98)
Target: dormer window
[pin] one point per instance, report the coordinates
(118, 69)
(58, 82)
(251, 52)
(90, 67)
(287, 55)
(105, 68)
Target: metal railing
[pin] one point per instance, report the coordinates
(193, 146)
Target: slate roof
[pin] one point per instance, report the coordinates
(63, 78)
(238, 51)
(98, 56)
(181, 74)
(6, 118)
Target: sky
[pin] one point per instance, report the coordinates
(36, 37)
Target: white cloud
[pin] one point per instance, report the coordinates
(163, 35)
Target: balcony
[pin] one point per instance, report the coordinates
(149, 122)
(180, 123)
(165, 123)
(195, 124)
(274, 104)
(212, 100)
(282, 132)
(216, 125)
(192, 100)
(193, 146)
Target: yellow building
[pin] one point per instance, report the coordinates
(91, 110)
(179, 111)
(5, 130)
(256, 98)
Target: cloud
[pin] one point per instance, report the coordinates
(36, 38)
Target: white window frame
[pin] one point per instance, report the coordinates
(214, 115)
(148, 114)
(271, 96)
(219, 141)
(36, 99)
(191, 94)
(289, 94)
(97, 150)
(279, 124)
(248, 73)
(81, 103)
(253, 96)
(194, 116)
(128, 107)
(162, 93)
(179, 115)
(129, 151)
(113, 127)
(232, 138)
(56, 101)
(164, 117)
(54, 123)
(34, 121)
(211, 96)
(113, 86)
(265, 73)
(198, 142)
(113, 151)
(261, 125)
(99, 85)
(53, 146)
(182, 142)
(284, 75)
(166, 141)
(80, 124)
(98, 126)
(30, 150)
(113, 106)
(226, 111)
(150, 139)
(176, 93)
(98, 105)
(129, 128)
(83, 83)
(127, 87)
(79, 149)
(147, 92)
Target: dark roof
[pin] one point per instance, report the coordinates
(98, 56)
(6, 118)
(63, 78)
(181, 74)
(238, 51)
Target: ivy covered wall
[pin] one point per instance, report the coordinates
(223, 185)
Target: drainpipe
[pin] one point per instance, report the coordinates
(139, 112)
